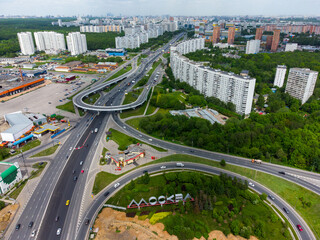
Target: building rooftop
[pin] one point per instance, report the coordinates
(4, 167)
(17, 121)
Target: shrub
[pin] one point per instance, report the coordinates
(158, 216)
(223, 163)
(219, 203)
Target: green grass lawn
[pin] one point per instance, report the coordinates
(92, 98)
(132, 96)
(134, 112)
(67, 107)
(39, 167)
(124, 140)
(122, 71)
(46, 152)
(151, 109)
(30, 145)
(102, 180)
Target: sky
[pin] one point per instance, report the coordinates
(160, 7)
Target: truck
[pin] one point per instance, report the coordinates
(256, 161)
(179, 164)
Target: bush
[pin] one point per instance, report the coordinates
(219, 203)
(158, 216)
(223, 163)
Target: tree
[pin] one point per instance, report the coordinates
(263, 196)
(223, 163)
(260, 101)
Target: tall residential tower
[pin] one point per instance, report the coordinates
(77, 43)
(26, 43)
(280, 75)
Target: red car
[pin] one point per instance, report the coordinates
(300, 228)
(82, 171)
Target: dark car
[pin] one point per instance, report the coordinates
(30, 224)
(57, 218)
(18, 226)
(87, 221)
(272, 197)
(74, 171)
(75, 178)
(192, 151)
(282, 173)
(286, 210)
(106, 194)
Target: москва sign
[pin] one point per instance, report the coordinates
(162, 200)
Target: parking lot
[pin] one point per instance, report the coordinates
(43, 100)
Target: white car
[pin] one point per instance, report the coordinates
(163, 167)
(251, 184)
(116, 185)
(33, 234)
(58, 231)
(70, 149)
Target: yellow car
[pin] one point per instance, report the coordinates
(67, 202)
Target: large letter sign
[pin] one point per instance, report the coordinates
(161, 200)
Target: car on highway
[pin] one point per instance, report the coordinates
(33, 234)
(73, 171)
(106, 194)
(75, 178)
(81, 163)
(282, 173)
(163, 167)
(30, 224)
(18, 226)
(70, 149)
(299, 227)
(251, 184)
(67, 202)
(192, 151)
(57, 218)
(150, 139)
(58, 231)
(87, 221)
(286, 210)
(272, 197)
(116, 185)
(82, 171)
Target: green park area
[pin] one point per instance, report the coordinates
(220, 203)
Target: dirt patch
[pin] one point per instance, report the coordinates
(6, 215)
(114, 225)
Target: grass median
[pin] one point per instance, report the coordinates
(46, 152)
(122, 71)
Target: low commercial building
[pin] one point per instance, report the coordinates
(117, 52)
(291, 47)
(19, 123)
(128, 157)
(10, 174)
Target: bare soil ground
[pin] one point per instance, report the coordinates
(6, 215)
(114, 225)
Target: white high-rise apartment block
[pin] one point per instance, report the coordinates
(301, 83)
(253, 46)
(26, 43)
(77, 43)
(144, 38)
(50, 41)
(280, 76)
(291, 47)
(226, 86)
(130, 41)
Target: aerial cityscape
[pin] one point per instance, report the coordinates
(168, 120)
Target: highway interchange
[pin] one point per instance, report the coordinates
(57, 185)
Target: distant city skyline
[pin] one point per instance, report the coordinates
(160, 7)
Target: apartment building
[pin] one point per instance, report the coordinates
(226, 86)
(130, 41)
(231, 33)
(26, 43)
(259, 32)
(101, 28)
(275, 40)
(280, 76)
(253, 46)
(301, 83)
(50, 41)
(77, 43)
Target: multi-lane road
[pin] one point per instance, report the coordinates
(58, 184)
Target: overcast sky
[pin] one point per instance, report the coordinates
(159, 7)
